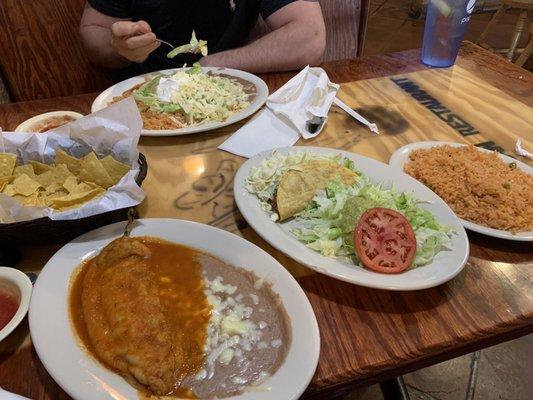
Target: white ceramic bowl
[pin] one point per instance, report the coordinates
(19, 285)
(26, 126)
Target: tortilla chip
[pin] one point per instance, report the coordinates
(114, 168)
(26, 169)
(39, 167)
(55, 187)
(298, 187)
(72, 163)
(41, 201)
(72, 186)
(7, 163)
(49, 198)
(33, 200)
(92, 170)
(25, 186)
(4, 180)
(60, 173)
(70, 183)
(44, 179)
(9, 190)
(75, 199)
(85, 187)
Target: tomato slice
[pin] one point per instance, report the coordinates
(384, 240)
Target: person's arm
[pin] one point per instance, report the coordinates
(297, 39)
(115, 42)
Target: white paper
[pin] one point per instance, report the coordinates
(264, 132)
(521, 151)
(308, 94)
(114, 131)
(5, 395)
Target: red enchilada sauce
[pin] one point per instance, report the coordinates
(8, 308)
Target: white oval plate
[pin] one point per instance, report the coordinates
(446, 265)
(401, 156)
(261, 95)
(83, 378)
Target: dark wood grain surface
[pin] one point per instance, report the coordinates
(367, 335)
(41, 53)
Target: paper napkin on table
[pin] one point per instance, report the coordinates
(284, 120)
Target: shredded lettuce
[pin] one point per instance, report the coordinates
(328, 222)
(334, 212)
(196, 69)
(197, 96)
(263, 180)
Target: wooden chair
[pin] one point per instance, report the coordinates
(528, 50)
(524, 5)
(346, 23)
(42, 55)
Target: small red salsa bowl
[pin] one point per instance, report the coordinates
(15, 293)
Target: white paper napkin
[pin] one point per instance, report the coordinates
(310, 93)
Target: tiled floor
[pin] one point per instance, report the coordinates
(390, 28)
(502, 372)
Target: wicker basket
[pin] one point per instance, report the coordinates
(47, 231)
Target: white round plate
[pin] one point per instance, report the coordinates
(445, 265)
(401, 156)
(257, 102)
(83, 378)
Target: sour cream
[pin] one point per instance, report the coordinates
(168, 86)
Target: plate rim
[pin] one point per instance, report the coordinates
(396, 160)
(108, 230)
(241, 175)
(101, 101)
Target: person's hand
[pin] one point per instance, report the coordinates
(133, 40)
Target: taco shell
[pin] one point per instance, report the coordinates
(298, 186)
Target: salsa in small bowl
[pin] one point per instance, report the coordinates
(15, 293)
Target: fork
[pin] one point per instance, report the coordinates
(167, 43)
(156, 39)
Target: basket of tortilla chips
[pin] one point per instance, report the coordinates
(86, 174)
(61, 187)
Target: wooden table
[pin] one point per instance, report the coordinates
(367, 335)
